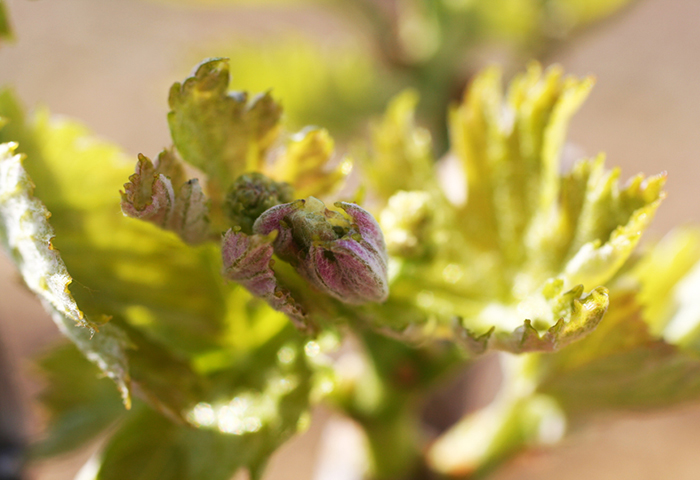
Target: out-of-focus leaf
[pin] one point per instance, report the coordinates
(80, 403)
(669, 277)
(528, 254)
(529, 24)
(570, 14)
(305, 164)
(149, 446)
(446, 28)
(314, 81)
(401, 157)
(221, 133)
(254, 405)
(621, 366)
(5, 29)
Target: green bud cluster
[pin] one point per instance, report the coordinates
(250, 195)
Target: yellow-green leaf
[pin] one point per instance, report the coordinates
(81, 403)
(529, 239)
(5, 28)
(305, 164)
(401, 155)
(334, 85)
(222, 134)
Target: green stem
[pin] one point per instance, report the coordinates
(393, 442)
(518, 418)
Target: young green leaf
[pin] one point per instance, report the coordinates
(120, 266)
(669, 275)
(221, 134)
(622, 366)
(5, 29)
(529, 240)
(244, 415)
(124, 270)
(315, 80)
(125, 357)
(401, 156)
(304, 164)
(80, 403)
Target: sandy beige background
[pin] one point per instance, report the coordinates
(109, 63)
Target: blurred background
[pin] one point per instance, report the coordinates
(110, 64)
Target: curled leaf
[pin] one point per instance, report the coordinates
(554, 319)
(248, 261)
(151, 195)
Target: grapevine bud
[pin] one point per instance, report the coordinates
(248, 260)
(250, 195)
(342, 255)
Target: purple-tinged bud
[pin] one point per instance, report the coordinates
(342, 255)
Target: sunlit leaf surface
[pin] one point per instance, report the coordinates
(159, 318)
(526, 258)
(523, 262)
